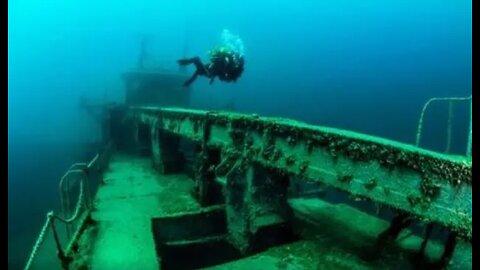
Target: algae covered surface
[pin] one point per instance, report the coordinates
(132, 194)
(331, 236)
(337, 236)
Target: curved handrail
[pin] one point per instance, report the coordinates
(422, 116)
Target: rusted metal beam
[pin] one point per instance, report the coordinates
(433, 187)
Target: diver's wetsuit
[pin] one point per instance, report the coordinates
(226, 66)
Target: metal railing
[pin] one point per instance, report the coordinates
(451, 100)
(85, 173)
(50, 223)
(65, 188)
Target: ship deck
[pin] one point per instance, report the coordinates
(191, 189)
(333, 236)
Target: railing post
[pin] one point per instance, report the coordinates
(156, 155)
(136, 136)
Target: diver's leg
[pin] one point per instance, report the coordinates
(191, 80)
(187, 61)
(184, 62)
(196, 61)
(198, 65)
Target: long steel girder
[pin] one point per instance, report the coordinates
(432, 187)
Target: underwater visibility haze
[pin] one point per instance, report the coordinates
(365, 66)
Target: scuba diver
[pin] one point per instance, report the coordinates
(225, 64)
